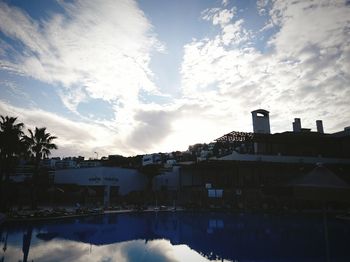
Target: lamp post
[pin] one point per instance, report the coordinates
(96, 155)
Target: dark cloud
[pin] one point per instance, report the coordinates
(152, 128)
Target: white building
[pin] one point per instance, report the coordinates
(151, 159)
(88, 163)
(50, 162)
(65, 163)
(126, 180)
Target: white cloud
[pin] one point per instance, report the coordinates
(152, 127)
(235, 33)
(322, 24)
(71, 98)
(95, 49)
(101, 46)
(304, 75)
(106, 53)
(262, 5)
(225, 2)
(219, 16)
(74, 137)
(68, 250)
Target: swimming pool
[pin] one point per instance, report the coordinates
(179, 236)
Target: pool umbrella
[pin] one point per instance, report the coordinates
(321, 184)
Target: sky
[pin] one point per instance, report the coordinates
(134, 77)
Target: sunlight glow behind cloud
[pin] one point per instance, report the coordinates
(294, 62)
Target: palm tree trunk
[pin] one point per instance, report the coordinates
(1, 183)
(34, 185)
(4, 183)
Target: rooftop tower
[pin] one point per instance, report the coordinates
(261, 121)
(319, 126)
(297, 125)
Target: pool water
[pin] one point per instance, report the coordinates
(179, 236)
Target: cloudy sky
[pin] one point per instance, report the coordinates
(129, 77)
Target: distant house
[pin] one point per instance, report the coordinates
(65, 163)
(89, 163)
(151, 159)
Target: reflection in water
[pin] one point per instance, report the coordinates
(27, 237)
(179, 236)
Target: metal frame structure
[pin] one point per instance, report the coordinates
(236, 136)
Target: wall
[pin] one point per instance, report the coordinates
(169, 180)
(283, 159)
(126, 179)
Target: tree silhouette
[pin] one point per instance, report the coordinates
(39, 144)
(11, 146)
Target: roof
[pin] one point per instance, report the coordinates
(320, 177)
(261, 111)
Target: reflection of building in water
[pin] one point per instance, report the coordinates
(249, 237)
(27, 237)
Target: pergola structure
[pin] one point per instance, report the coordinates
(304, 143)
(236, 136)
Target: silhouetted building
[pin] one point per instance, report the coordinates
(250, 166)
(261, 121)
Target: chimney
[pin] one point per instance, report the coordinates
(297, 125)
(319, 126)
(261, 121)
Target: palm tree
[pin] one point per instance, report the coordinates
(11, 146)
(40, 145)
(10, 143)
